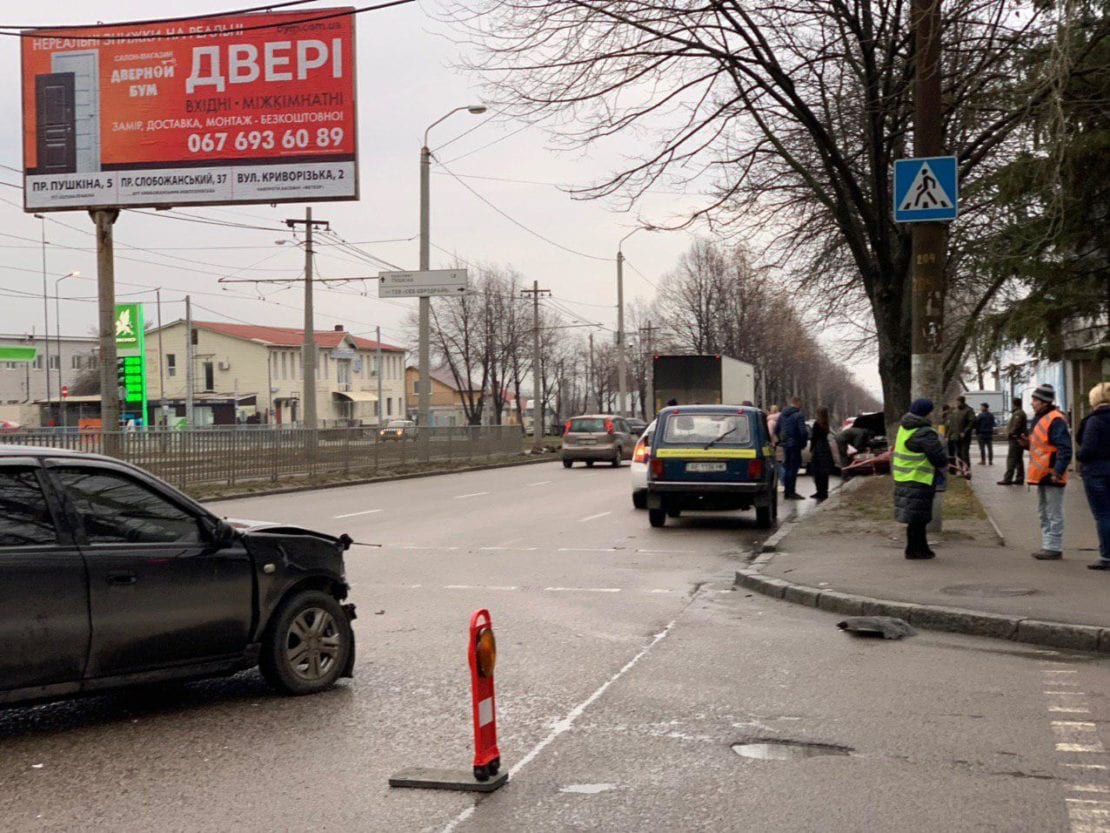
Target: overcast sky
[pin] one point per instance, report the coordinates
(406, 80)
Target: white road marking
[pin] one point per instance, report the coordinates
(540, 483)
(478, 587)
(507, 549)
(667, 552)
(594, 517)
(586, 549)
(1070, 671)
(472, 494)
(1100, 767)
(355, 514)
(582, 589)
(1090, 788)
(415, 547)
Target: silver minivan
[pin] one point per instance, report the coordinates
(597, 438)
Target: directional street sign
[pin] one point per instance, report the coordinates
(422, 284)
(925, 189)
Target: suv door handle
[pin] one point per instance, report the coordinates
(122, 578)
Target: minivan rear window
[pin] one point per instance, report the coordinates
(587, 425)
(727, 429)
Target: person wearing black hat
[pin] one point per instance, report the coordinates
(1015, 430)
(1050, 450)
(917, 463)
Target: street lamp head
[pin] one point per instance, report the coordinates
(476, 109)
(76, 273)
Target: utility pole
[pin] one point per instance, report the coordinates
(929, 239)
(590, 375)
(105, 218)
(537, 385)
(161, 359)
(622, 359)
(45, 316)
(648, 336)
(308, 350)
(189, 359)
(378, 364)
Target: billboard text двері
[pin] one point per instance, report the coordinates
(237, 109)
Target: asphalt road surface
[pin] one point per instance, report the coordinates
(628, 668)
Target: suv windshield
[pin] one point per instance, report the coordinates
(587, 425)
(732, 429)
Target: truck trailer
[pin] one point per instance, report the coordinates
(701, 380)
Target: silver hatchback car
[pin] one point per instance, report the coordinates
(597, 438)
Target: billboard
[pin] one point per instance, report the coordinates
(238, 109)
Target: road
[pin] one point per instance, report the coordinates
(628, 668)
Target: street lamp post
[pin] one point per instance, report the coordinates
(425, 382)
(622, 354)
(58, 331)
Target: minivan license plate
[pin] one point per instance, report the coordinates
(706, 466)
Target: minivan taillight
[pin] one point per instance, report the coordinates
(755, 469)
(566, 428)
(642, 453)
(656, 468)
(609, 426)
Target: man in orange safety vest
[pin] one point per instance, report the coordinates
(1050, 450)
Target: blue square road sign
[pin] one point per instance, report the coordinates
(925, 189)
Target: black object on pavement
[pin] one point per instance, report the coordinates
(886, 627)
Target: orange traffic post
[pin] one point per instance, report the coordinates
(483, 658)
(486, 775)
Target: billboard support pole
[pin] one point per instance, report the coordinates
(105, 218)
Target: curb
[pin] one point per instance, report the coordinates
(994, 525)
(931, 617)
(288, 490)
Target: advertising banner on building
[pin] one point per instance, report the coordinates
(237, 109)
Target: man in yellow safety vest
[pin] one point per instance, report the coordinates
(917, 462)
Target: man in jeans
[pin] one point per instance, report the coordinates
(1049, 443)
(792, 434)
(1015, 430)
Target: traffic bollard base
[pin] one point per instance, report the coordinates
(429, 778)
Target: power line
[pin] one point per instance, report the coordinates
(182, 35)
(152, 21)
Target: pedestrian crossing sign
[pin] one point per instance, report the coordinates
(925, 189)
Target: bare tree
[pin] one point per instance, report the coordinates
(792, 110)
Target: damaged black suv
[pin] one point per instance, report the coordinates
(110, 577)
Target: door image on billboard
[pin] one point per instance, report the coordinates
(86, 104)
(57, 126)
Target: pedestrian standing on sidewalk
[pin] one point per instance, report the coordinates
(1049, 443)
(792, 433)
(918, 459)
(966, 421)
(1094, 453)
(820, 455)
(1015, 430)
(984, 430)
(950, 418)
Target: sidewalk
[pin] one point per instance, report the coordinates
(848, 557)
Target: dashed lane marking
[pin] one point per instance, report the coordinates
(1079, 738)
(479, 587)
(356, 514)
(594, 517)
(540, 483)
(586, 549)
(471, 494)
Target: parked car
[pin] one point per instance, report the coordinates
(596, 438)
(711, 457)
(110, 577)
(398, 429)
(636, 426)
(641, 457)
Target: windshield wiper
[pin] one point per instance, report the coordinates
(712, 443)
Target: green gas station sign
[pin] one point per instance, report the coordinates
(12, 353)
(131, 362)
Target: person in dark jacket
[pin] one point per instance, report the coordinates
(917, 462)
(984, 430)
(792, 435)
(965, 422)
(821, 457)
(1094, 454)
(1015, 430)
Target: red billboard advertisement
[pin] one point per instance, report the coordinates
(253, 108)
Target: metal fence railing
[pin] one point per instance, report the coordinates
(227, 457)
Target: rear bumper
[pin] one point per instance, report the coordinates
(664, 493)
(588, 452)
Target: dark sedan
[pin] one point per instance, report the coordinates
(110, 577)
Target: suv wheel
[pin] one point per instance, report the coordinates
(639, 500)
(657, 517)
(616, 461)
(307, 644)
(567, 464)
